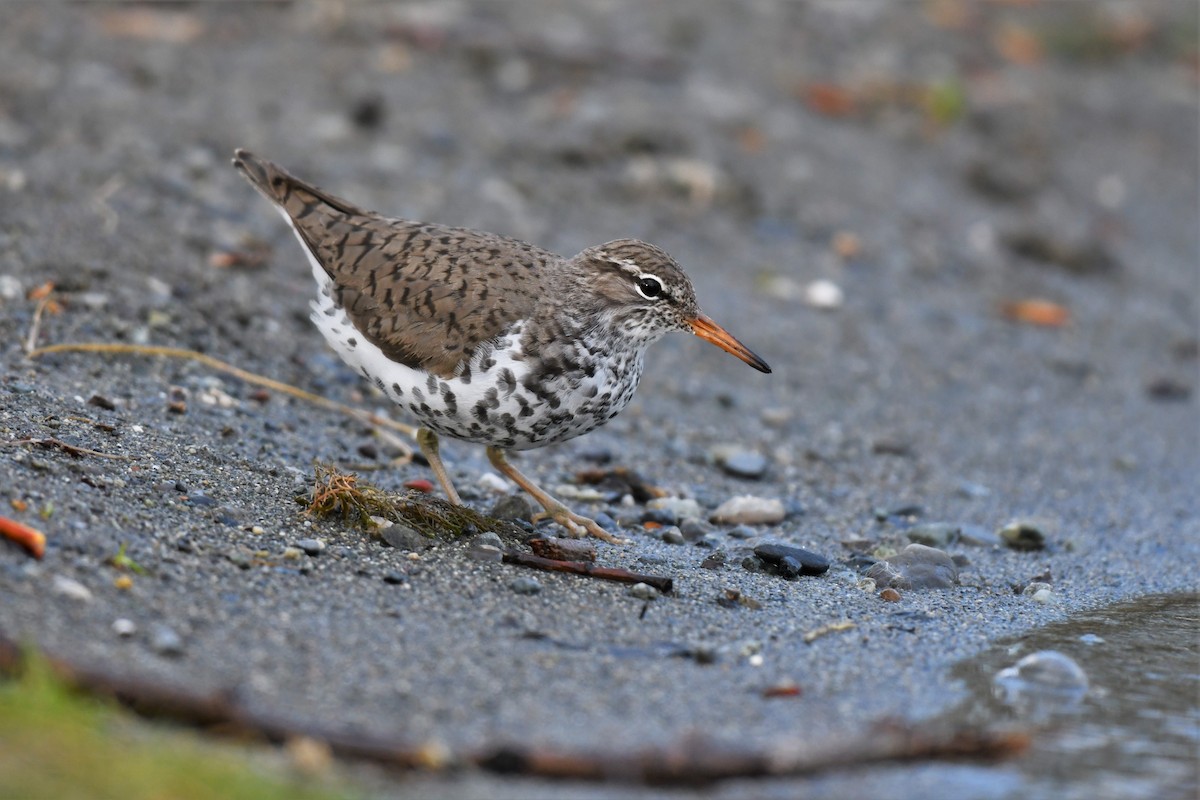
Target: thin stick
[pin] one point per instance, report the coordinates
(66, 447)
(663, 584)
(222, 366)
(36, 324)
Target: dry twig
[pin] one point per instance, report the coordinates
(34, 541)
(659, 582)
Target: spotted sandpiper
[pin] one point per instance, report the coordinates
(483, 338)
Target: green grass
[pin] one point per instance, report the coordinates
(58, 745)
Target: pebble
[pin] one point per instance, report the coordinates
(714, 560)
(673, 535)
(312, 547)
(824, 294)
(292, 553)
(69, 587)
(1045, 595)
(525, 585)
(394, 577)
(1023, 535)
(643, 591)
(742, 532)
(978, 536)
(661, 516)
(889, 595)
(934, 534)
(739, 462)
(488, 539)
(915, 567)
(124, 627)
(606, 522)
(790, 561)
(513, 507)
(1042, 684)
(749, 510)
(681, 507)
(493, 484)
(165, 641)
(403, 537)
(694, 529)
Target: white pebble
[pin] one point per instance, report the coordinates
(69, 587)
(683, 507)
(491, 482)
(124, 627)
(749, 510)
(824, 294)
(643, 591)
(1043, 596)
(10, 287)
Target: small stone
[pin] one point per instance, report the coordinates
(790, 561)
(643, 591)
(1023, 535)
(312, 547)
(749, 510)
(124, 627)
(824, 294)
(694, 529)
(513, 507)
(660, 516)
(403, 537)
(292, 553)
(394, 577)
(934, 534)
(978, 536)
(1042, 684)
(492, 483)
(525, 585)
(972, 490)
(606, 522)
(742, 532)
(915, 567)
(889, 595)
(714, 560)
(1033, 587)
(489, 539)
(165, 641)
(681, 507)
(1045, 595)
(69, 587)
(740, 463)
(753, 564)
(672, 535)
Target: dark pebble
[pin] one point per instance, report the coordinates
(513, 507)
(790, 561)
(394, 577)
(672, 535)
(694, 529)
(100, 401)
(906, 511)
(1021, 535)
(663, 516)
(742, 532)
(606, 522)
(714, 560)
(200, 499)
(753, 564)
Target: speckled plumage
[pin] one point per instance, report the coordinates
(481, 337)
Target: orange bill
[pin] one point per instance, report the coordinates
(710, 331)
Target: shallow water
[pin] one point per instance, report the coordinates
(1136, 732)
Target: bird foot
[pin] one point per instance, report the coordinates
(577, 525)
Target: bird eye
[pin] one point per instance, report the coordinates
(649, 287)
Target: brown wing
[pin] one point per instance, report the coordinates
(426, 295)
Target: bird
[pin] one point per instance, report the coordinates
(483, 338)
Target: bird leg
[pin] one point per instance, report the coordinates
(428, 442)
(576, 524)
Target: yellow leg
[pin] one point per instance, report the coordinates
(428, 442)
(576, 524)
